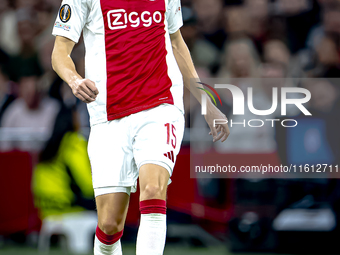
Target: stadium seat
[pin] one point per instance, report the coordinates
(15, 187)
(78, 228)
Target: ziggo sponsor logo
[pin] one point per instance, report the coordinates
(119, 19)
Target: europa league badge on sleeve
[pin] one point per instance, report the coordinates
(65, 13)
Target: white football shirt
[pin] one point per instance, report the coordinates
(128, 52)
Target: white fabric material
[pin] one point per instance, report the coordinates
(118, 148)
(174, 16)
(159, 163)
(173, 22)
(151, 234)
(87, 16)
(103, 249)
(73, 27)
(109, 190)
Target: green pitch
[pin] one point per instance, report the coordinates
(130, 250)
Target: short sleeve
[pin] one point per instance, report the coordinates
(72, 17)
(174, 17)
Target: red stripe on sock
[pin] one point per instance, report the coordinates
(152, 206)
(108, 239)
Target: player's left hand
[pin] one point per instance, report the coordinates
(220, 131)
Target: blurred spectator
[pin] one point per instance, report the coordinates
(247, 139)
(240, 60)
(209, 17)
(327, 53)
(31, 110)
(204, 54)
(275, 51)
(301, 16)
(331, 19)
(46, 12)
(189, 31)
(257, 26)
(9, 39)
(291, 8)
(26, 62)
(269, 72)
(258, 10)
(62, 180)
(7, 93)
(236, 21)
(26, 3)
(275, 75)
(241, 68)
(327, 62)
(330, 25)
(325, 95)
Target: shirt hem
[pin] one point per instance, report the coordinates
(103, 120)
(66, 35)
(138, 109)
(115, 184)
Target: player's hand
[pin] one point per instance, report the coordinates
(220, 131)
(85, 90)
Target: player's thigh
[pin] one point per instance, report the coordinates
(112, 210)
(153, 182)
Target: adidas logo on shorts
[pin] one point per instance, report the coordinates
(170, 155)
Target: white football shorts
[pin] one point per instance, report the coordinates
(117, 149)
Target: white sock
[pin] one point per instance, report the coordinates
(103, 249)
(107, 244)
(152, 230)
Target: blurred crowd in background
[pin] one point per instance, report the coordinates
(228, 39)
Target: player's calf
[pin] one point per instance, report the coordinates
(152, 230)
(112, 210)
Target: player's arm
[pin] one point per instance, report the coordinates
(188, 71)
(63, 65)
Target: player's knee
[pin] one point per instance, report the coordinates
(111, 227)
(153, 192)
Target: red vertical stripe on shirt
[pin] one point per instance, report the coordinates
(137, 71)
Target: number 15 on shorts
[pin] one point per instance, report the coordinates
(171, 137)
